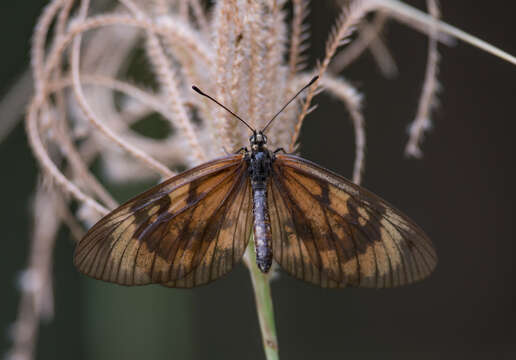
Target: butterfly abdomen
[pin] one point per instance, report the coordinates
(260, 163)
(262, 230)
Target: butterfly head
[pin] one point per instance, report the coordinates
(257, 140)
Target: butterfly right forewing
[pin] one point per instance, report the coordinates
(292, 244)
(333, 233)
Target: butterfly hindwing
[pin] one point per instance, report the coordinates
(332, 233)
(187, 231)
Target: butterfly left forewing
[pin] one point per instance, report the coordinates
(351, 237)
(195, 225)
(223, 238)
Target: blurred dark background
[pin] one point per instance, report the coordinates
(462, 193)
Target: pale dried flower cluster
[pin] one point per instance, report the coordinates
(244, 53)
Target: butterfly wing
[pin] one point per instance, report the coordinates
(184, 232)
(333, 233)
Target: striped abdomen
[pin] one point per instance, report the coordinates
(261, 227)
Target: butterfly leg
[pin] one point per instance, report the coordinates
(280, 150)
(243, 150)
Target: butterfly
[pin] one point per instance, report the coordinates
(318, 226)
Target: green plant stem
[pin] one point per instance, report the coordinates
(264, 306)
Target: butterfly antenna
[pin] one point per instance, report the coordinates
(314, 79)
(196, 89)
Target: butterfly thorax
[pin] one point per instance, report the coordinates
(259, 161)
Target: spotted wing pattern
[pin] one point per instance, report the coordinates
(333, 233)
(187, 231)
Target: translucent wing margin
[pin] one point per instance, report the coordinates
(333, 233)
(184, 232)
